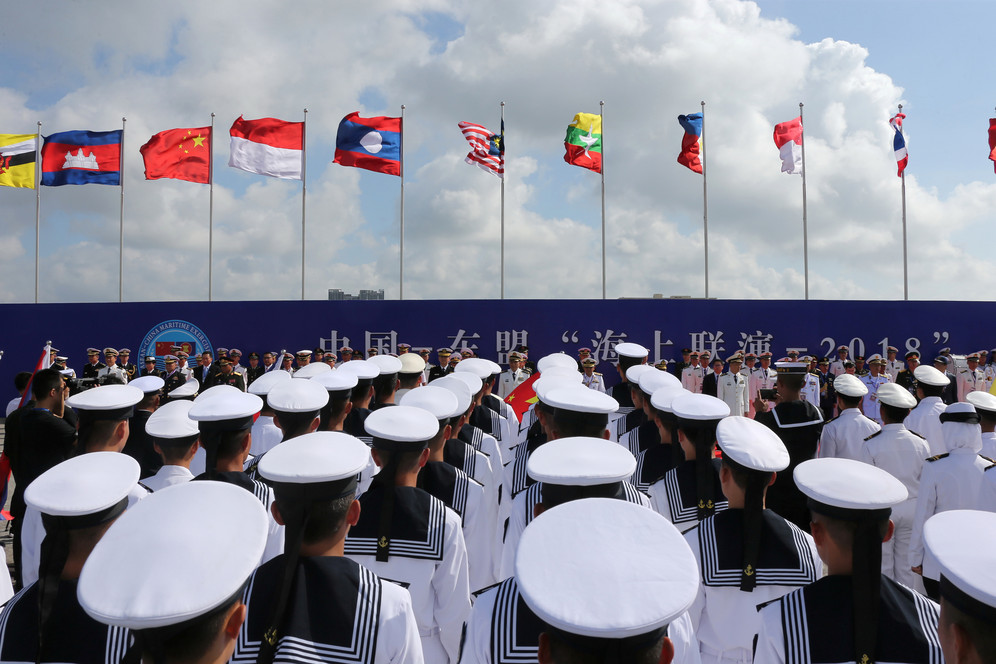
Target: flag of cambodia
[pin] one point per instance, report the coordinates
(82, 157)
(370, 143)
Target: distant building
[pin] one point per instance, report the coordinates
(337, 294)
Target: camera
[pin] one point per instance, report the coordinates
(768, 394)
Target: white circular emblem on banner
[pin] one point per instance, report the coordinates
(372, 142)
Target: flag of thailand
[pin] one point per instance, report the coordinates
(899, 143)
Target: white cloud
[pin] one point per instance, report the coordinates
(172, 65)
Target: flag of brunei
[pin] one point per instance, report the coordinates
(17, 160)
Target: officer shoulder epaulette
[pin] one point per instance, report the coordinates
(939, 456)
(874, 434)
(990, 467)
(918, 435)
(595, 373)
(993, 461)
(833, 418)
(150, 490)
(478, 593)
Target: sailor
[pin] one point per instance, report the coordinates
(630, 354)
(963, 542)
(985, 406)
(637, 416)
(943, 364)
(837, 366)
(655, 461)
(224, 418)
(77, 500)
(875, 378)
(361, 397)
(424, 354)
(303, 358)
(733, 387)
(130, 369)
(811, 387)
(93, 363)
(828, 395)
(901, 453)
(647, 433)
(410, 537)
(893, 365)
(312, 598)
(187, 612)
(875, 619)
(591, 378)
(103, 427)
(112, 373)
(182, 358)
(476, 506)
(970, 379)
(925, 418)
(988, 359)
(691, 491)
(172, 377)
(385, 384)
(149, 367)
(174, 437)
(692, 375)
(905, 377)
(578, 418)
(859, 366)
(346, 353)
(471, 436)
(593, 608)
(747, 555)
(411, 375)
(950, 481)
(490, 372)
(296, 406)
(799, 424)
(844, 435)
(679, 366)
(187, 391)
(554, 363)
(488, 415)
(763, 378)
(255, 369)
(139, 445)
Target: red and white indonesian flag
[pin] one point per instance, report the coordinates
(268, 147)
(788, 140)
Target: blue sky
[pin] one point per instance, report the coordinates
(171, 65)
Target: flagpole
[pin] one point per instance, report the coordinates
(121, 177)
(503, 204)
(601, 111)
(805, 228)
(210, 204)
(304, 189)
(906, 278)
(37, 205)
(401, 265)
(705, 205)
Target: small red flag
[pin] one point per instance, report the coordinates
(523, 396)
(181, 154)
(992, 141)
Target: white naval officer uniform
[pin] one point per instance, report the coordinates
(762, 379)
(115, 371)
(595, 381)
(811, 389)
(168, 475)
(509, 380)
(692, 377)
(925, 420)
(869, 403)
(970, 381)
(843, 436)
(893, 367)
(901, 453)
(733, 389)
(837, 367)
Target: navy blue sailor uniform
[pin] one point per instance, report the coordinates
(343, 614)
(263, 493)
(799, 424)
(641, 438)
(653, 464)
(675, 496)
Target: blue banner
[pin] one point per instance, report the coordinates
(492, 327)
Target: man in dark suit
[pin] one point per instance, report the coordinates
(710, 384)
(255, 369)
(950, 394)
(204, 373)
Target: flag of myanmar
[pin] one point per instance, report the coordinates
(584, 142)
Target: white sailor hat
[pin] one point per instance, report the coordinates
(108, 402)
(188, 389)
(850, 386)
(580, 399)
(312, 370)
(572, 580)
(651, 381)
(544, 385)
(230, 411)
(663, 398)
(439, 401)
(699, 407)
(335, 381)
(836, 486)
(892, 394)
(482, 368)
(151, 569)
(789, 367)
(317, 458)
(303, 353)
(262, 385)
(297, 396)
(386, 364)
(148, 384)
(459, 390)
(216, 392)
(562, 372)
(963, 542)
(634, 372)
(401, 427)
(629, 349)
(981, 400)
(172, 421)
(928, 375)
(959, 412)
(89, 484)
(362, 369)
(752, 445)
(581, 461)
(470, 380)
(411, 363)
(556, 360)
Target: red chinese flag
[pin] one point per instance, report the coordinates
(992, 141)
(523, 396)
(181, 154)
